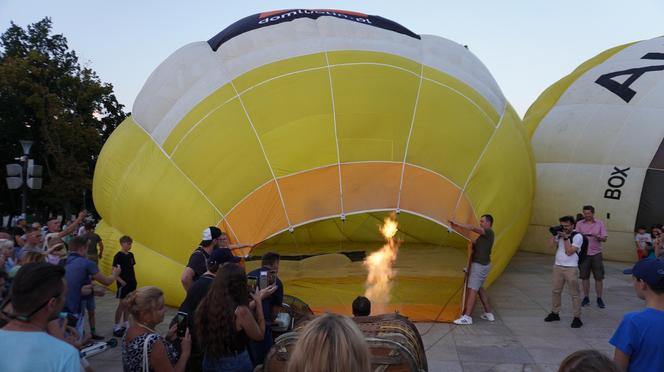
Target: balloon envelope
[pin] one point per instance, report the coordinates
(597, 138)
(300, 131)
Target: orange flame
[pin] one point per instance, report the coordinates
(379, 264)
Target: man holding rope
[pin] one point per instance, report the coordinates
(479, 269)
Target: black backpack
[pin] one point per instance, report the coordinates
(583, 252)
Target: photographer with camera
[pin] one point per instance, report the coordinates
(566, 268)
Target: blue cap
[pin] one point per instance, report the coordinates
(650, 270)
(223, 255)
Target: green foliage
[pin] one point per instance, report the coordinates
(48, 97)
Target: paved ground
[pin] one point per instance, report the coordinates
(519, 339)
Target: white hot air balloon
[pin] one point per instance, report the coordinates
(597, 138)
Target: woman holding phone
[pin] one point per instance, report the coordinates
(225, 321)
(143, 348)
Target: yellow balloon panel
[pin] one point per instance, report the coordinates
(224, 141)
(293, 116)
(449, 123)
(374, 107)
(355, 57)
(473, 96)
(152, 267)
(208, 106)
(503, 185)
(279, 69)
(149, 193)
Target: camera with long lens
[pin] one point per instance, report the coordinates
(555, 230)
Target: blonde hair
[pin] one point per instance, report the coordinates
(143, 300)
(330, 343)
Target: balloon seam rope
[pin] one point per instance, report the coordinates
(336, 133)
(269, 165)
(477, 162)
(186, 176)
(410, 133)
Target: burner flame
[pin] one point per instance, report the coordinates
(380, 267)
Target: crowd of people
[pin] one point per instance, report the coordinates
(47, 290)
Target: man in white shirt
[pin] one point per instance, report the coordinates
(566, 269)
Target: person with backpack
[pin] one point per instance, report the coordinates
(198, 261)
(566, 269)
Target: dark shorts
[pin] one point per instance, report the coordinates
(594, 264)
(88, 303)
(124, 291)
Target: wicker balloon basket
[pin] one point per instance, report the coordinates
(394, 342)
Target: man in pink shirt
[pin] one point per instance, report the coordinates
(595, 231)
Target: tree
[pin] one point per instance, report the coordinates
(48, 97)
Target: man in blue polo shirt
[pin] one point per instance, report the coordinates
(80, 271)
(638, 337)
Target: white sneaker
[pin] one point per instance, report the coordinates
(488, 316)
(464, 320)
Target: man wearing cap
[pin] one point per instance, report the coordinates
(195, 295)
(198, 261)
(638, 337)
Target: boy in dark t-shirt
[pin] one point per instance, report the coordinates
(126, 283)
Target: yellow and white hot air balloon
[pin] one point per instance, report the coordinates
(597, 135)
(299, 131)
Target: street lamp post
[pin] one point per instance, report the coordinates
(26, 145)
(25, 175)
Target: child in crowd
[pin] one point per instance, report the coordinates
(126, 284)
(638, 337)
(643, 242)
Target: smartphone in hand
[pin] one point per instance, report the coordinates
(252, 282)
(182, 322)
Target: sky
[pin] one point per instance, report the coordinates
(527, 45)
